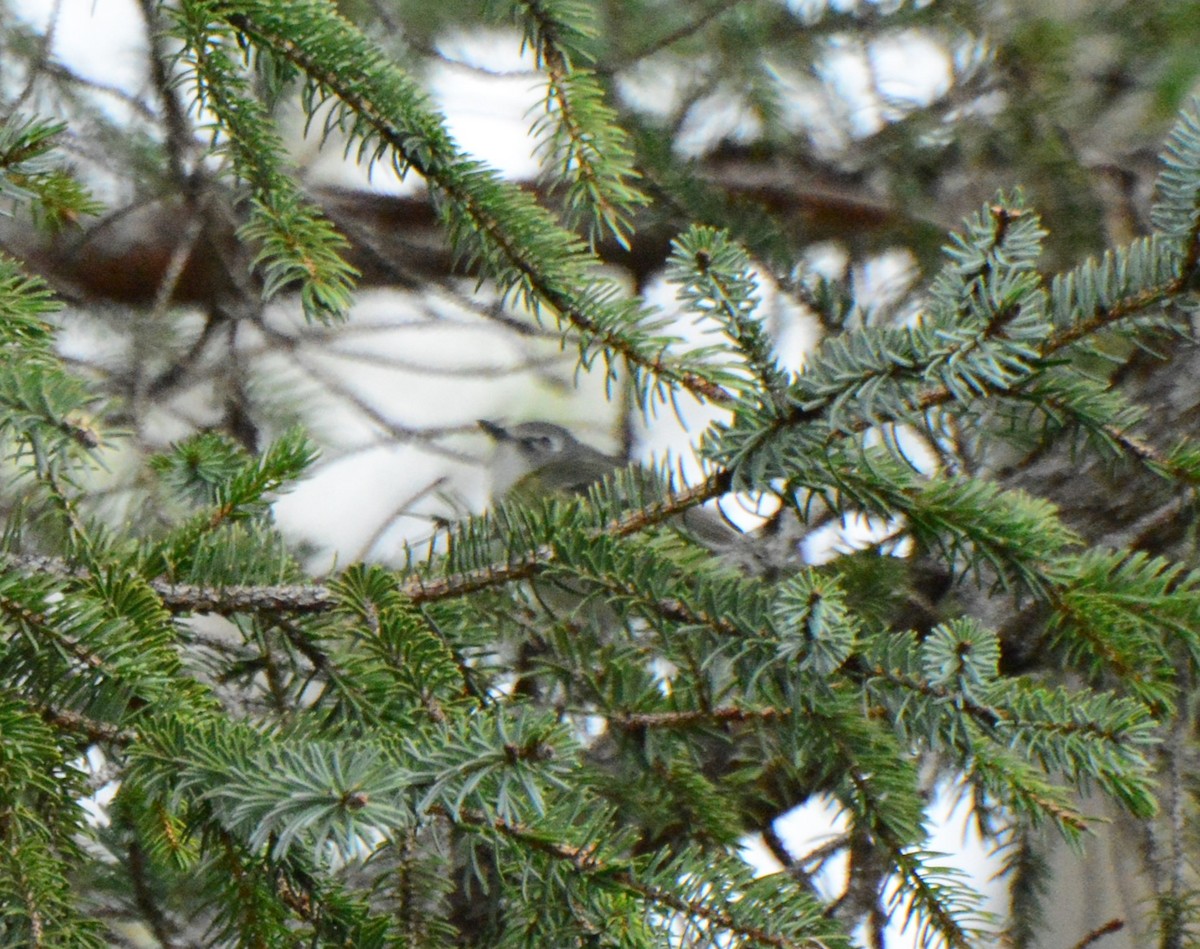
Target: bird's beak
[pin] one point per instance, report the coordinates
(498, 432)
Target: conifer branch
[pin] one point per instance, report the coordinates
(584, 138)
(585, 861)
(495, 212)
(879, 816)
(635, 721)
(226, 600)
(298, 243)
(441, 716)
(90, 728)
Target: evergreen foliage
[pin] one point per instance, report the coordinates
(443, 754)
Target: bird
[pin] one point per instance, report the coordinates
(537, 459)
(540, 458)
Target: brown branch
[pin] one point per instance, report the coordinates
(285, 598)
(633, 721)
(1112, 926)
(90, 728)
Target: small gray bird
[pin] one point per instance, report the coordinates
(537, 458)
(534, 459)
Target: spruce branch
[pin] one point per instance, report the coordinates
(581, 135)
(867, 380)
(298, 245)
(585, 860)
(715, 279)
(518, 241)
(38, 623)
(882, 799)
(635, 721)
(90, 728)
(287, 599)
(30, 173)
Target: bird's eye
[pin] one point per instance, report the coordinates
(539, 443)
